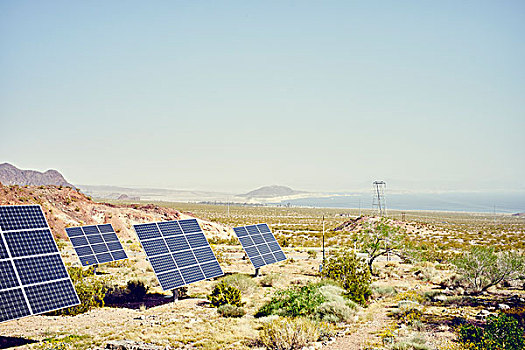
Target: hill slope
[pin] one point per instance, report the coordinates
(65, 207)
(11, 175)
(271, 191)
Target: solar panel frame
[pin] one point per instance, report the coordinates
(260, 244)
(25, 299)
(101, 240)
(187, 258)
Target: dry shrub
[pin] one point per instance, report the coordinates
(242, 282)
(289, 333)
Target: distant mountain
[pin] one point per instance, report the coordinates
(11, 175)
(271, 191)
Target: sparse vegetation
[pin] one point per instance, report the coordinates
(289, 333)
(501, 333)
(483, 268)
(223, 294)
(228, 310)
(351, 272)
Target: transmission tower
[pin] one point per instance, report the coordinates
(378, 198)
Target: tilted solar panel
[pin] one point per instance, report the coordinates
(259, 244)
(96, 244)
(178, 252)
(33, 278)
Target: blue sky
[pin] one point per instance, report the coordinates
(233, 95)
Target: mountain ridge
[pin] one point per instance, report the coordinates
(11, 175)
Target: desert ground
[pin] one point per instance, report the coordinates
(156, 321)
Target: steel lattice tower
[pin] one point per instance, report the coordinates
(378, 198)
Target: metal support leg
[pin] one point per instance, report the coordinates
(257, 270)
(175, 295)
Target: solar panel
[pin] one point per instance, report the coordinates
(178, 252)
(96, 244)
(259, 244)
(33, 278)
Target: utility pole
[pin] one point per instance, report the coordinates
(323, 242)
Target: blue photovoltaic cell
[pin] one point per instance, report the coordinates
(185, 258)
(7, 275)
(105, 228)
(263, 228)
(162, 263)
(197, 240)
(212, 269)
(259, 244)
(3, 250)
(85, 250)
(119, 255)
(95, 239)
(21, 217)
(257, 261)
(90, 230)
(190, 226)
(257, 239)
(87, 260)
(190, 252)
(246, 241)
(170, 228)
(147, 231)
(252, 230)
(204, 254)
(192, 274)
(269, 259)
(155, 247)
(13, 304)
(74, 232)
(79, 241)
(51, 296)
(240, 231)
(114, 246)
(40, 269)
(29, 259)
(110, 237)
(177, 243)
(170, 280)
(263, 248)
(104, 258)
(99, 248)
(23, 243)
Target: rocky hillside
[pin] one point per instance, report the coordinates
(66, 207)
(270, 191)
(11, 175)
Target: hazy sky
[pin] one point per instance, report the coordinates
(233, 95)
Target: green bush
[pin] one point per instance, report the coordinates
(501, 333)
(294, 302)
(316, 301)
(228, 310)
(289, 333)
(352, 273)
(223, 294)
(90, 289)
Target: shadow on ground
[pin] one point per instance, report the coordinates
(9, 342)
(149, 301)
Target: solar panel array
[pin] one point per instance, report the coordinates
(33, 278)
(178, 252)
(260, 244)
(96, 244)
